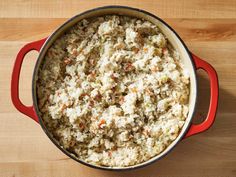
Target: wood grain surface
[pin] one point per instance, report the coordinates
(209, 30)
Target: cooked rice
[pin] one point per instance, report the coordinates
(113, 91)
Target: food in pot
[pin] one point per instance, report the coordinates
(113, 91)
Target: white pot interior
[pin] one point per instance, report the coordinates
(172, 37)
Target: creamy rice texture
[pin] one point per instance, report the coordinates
(113, 91)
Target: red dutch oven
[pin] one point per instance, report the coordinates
(191, 62)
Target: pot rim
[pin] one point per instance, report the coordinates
(55, 142)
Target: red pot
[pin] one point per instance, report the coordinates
(191, 61)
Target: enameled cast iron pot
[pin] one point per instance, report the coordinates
(191, 62)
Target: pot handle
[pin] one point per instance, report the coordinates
(27, 110)
(214, 85)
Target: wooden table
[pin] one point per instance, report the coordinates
(209, 30)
